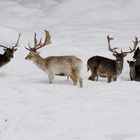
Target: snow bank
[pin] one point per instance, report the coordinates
(32, 109)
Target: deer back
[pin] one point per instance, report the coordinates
(102, 65)
(63, 64)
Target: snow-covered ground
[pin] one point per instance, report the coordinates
(32, 109)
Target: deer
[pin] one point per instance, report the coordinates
(8, 53)
(105, 67)
(69, 66)
(132, 72)
(136, 58)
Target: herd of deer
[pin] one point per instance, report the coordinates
(71, 66)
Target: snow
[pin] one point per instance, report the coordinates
(33, 109)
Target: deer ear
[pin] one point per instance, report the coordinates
(124, 55)
(4, 49)
(37, 52)
(114, 54)
(15, 50)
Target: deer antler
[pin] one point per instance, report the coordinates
(38, 45)
(135, 42)
(3, 46)
(35, 41)
(46, 41)
(109, 46)
(14, 45)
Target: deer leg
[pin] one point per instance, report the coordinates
(80, 80)
(93, 74)
(131, 77)
(51, 78)
(97, 78)
(109, 79)
(92, 77)
(73, 78)
(114, 78)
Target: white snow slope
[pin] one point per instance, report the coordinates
(33, 109)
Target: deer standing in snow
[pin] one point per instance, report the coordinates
(105, 67)
(136, 57)
(8, 53)
(55, 65)
(132, 72)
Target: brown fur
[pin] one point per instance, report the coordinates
(132, 71)
(137, 64)
(8, 53)
(105, 67)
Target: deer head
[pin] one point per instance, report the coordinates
(136, 55)
(122, 54)
(9, 51)
(37, 45)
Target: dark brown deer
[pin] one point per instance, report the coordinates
(105, 67)
(136, 57)
(55, 65)
(8, 53)
(132, 72)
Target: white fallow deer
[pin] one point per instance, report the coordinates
(69, 66)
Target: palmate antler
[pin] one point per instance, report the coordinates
(38, 45)
(135, 42)
(109, 46)
(16, 45)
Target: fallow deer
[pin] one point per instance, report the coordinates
(132, 72)
(55, 65)
(105, 67)
(8, 53)
(136, 57)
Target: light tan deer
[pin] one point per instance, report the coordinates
(105, 67)
(69, 66)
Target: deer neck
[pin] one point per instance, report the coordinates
(138, 61)
(4, 59)
(133, 72)
(119, 67)
(39, 62)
